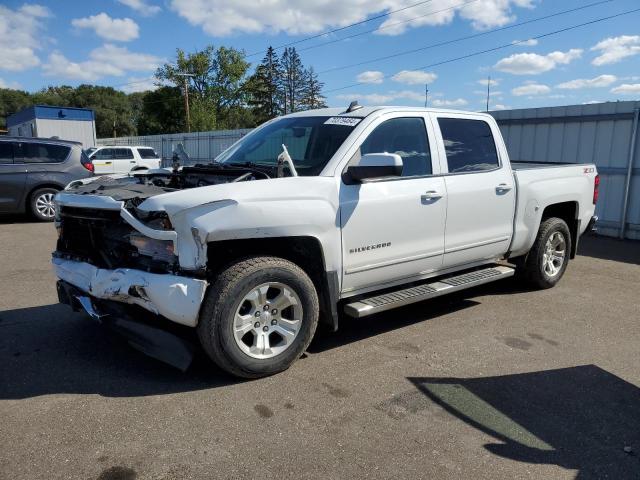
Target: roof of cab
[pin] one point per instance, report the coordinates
(366, 111)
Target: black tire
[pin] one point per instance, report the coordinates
(224, 298)
(532, 269)
(39, 201)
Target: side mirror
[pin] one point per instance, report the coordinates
(376, 165)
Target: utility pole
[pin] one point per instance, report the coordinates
(488, 91)
(426, 94)
(114, 128)
(186, 97)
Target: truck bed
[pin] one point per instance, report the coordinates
(525, 165)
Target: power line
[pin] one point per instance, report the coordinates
(366, 32)
(361, 22)
(467, 37)
(489, 50)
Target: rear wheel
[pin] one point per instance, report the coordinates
(42, 206)
(258, 317)
(547, 261)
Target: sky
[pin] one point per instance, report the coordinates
(395, 48)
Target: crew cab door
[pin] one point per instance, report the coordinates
(393, 227)
(480, 189)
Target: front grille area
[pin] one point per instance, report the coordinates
(102, 238)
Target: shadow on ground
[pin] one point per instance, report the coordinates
(607, 248)
(579, 418)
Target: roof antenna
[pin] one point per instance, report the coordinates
(353, 106)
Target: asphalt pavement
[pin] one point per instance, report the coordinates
(495, 382)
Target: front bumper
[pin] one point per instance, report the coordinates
(174, 297)
(150, 334)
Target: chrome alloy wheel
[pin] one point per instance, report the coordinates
(45, 205)
(267, 320)
(554, 255)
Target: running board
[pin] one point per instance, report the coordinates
(443, 286)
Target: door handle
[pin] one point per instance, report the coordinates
(503, 187)
(132, 161)
(431, 195)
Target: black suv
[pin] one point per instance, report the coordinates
(33, 170)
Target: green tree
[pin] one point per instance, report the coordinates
(292, 81)
(312, 91)
(215, 81)
(12, 101)
(264, 88)
(162, 112)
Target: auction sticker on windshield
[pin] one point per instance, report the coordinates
(346, 121)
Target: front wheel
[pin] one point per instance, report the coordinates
(547, 261)
(42, 206)
(258, 317)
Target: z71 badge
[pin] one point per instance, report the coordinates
(370, 247)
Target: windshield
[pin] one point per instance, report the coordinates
(311, 142)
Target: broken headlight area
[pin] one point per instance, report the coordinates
(160, 250)
(103, 239)
(158, 220)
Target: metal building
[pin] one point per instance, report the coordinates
(604, 133)
(65, 123)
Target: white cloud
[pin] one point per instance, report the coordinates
(139, 84)
(458, 102)
(530, 89)
(627, 89)
(499, 106)
(532, 42)
(295, 17)
(5, 84)
(482, 14)
(142, 7)
(370, 76)
(118, 29)
(21, 35)
(414, 77)
(614, 49)
(600, 81)
(384, 98)
(534, 64)
(107, 60)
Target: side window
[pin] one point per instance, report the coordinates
(406, 137)
(469, 145)
(104, 154)
(123, 154)
(147, 153)
(43, 153)
(6, 152)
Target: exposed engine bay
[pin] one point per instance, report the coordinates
(140, 186)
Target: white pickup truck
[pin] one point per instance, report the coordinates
(313, 215)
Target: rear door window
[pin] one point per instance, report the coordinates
(6, 152)
(469, 145)
(104, 154)
(44, 153)
(123, 154)
(147, 153)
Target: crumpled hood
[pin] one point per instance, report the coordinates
(273, 190)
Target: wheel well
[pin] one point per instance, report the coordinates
(306, 252)
(567, 211)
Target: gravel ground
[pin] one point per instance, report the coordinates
(497, 382)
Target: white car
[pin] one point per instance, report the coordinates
(359, 211)
(123, 159)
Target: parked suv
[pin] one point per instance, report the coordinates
(33, 170)
(119, 159)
